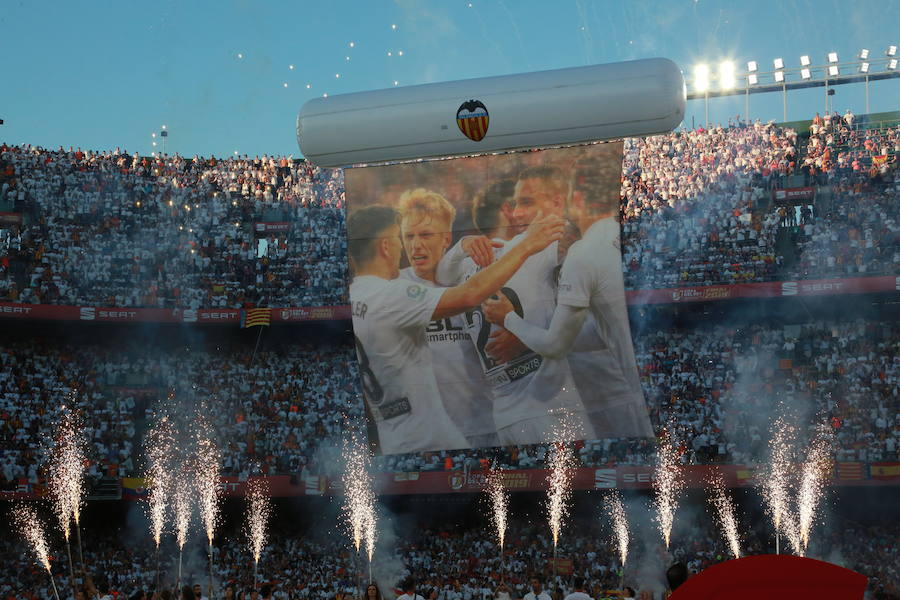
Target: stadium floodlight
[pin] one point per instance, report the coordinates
(892, 51)
(701, 78)
(779, 76)
(804, 73)
(752, 79)
(751, 66)
(832, 57)
(864, 67)
(864, 54)
(892, 64)
(833, 71)
(778, 63)
(726, 75)
(804, 60)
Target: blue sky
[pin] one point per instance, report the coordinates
(101, 74)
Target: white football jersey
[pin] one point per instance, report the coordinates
(457, 370)
(389, 321)
(530, 385)
(607, 377)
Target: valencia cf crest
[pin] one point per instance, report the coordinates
(472, 119)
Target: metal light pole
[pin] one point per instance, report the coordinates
(784, 100)
(706, 105)
(747, 103)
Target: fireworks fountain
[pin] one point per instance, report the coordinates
(181, 507)
(66, 481)
(666, 486)
(776, 483)
(208, 490)
(812, 484)
(725, 514)
(32, 530)
(499, 499)
(619, 519)
(359, 499)
(259, 509)
(560, 463)
(159, 446)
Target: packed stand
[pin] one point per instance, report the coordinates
(115, 229)
(123, 230)
(447, 561)
(842, 148)
(692, 210)
(285, 411)
(271, 413)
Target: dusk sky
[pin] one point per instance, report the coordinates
(231, 76)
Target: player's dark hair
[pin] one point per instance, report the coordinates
(364, 228)
(600, 184)
(557, 180)
(547, 172)
(578, 583)
(487, 205)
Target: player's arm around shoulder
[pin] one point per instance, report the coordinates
(540, 234)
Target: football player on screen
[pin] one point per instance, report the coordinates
(426, 223)
(535, 397)
(390, 316)
(590, 323)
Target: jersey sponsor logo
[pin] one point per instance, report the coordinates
(395, 409)
(416, 292)
(472, 119)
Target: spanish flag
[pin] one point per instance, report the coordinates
(879, 160)
(256, 316)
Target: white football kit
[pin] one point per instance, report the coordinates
(535, 397)
(607, 376)
(389, 321)
(458, 374)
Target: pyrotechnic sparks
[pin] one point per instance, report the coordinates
(667, 486)
(181, 506)
(32, 530)
(67, 471)
(725, 514)
(559, 490)
(499, 499)
(207, 480)
(359, 497)
(160, 443)
(619, 519)
(812, 484)
(776, 482)
(259, 509)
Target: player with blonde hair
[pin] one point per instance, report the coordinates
(426, 221)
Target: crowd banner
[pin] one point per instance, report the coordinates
(471, 280)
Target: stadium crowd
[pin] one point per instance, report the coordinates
(448, 561)
(285, 411)
(117, 229)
